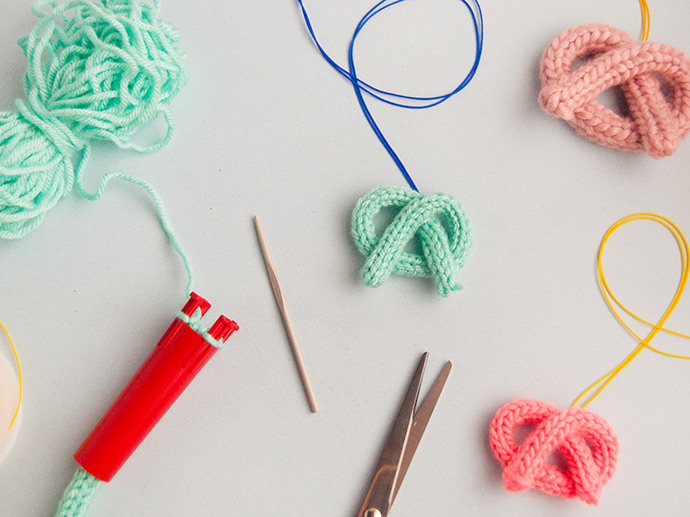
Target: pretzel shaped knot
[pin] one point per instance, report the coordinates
(654, 79)
(444, 247)
(586, 441)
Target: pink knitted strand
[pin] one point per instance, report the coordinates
(658, 119)
(586, 441)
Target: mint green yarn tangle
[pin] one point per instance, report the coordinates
(444, 247)
(97, 70)
(77, 497)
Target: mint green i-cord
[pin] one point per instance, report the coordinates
(97, 70)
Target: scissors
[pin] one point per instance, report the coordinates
(402, 443)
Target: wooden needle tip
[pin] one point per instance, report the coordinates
(289, 329)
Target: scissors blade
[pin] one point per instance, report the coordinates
(380, 494)
(420, 422)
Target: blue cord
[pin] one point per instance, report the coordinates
(392, 98)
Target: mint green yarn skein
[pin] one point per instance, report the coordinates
(96, 71)
(442, 251)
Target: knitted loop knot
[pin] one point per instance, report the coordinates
(444, 247)
(586, 441)
(659, 116)
(96, 70)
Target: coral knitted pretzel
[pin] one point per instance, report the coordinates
(654, 78)
(587, 442)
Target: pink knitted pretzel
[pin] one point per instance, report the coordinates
(587, 442)
(657, 122)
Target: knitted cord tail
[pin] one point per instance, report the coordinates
(77, 497)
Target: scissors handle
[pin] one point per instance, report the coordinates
(380, 496)
(378, 500)
(402, 443)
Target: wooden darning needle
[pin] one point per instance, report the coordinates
(280, 300)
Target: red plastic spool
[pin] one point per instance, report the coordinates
(179, 356)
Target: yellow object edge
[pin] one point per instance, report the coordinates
(19, 370)
(646, 20)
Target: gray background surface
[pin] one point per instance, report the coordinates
(266, 127)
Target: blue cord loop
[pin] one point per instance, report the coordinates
(392, 98)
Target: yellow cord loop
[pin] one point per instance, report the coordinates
(19, 371)
(645, 19)
(600, 384)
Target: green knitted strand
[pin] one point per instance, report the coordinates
(160, 210)
(77, 497)
(194, 321)
(444, 250)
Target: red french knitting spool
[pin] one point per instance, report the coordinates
(179, 356)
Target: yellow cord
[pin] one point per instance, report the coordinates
(645, 19)
(19, 369)
(611, 300)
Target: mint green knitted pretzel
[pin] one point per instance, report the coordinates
(443, 252)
